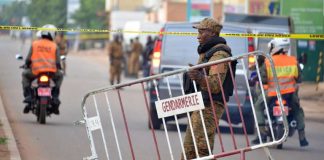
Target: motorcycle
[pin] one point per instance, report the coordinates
(277, 118)
(41, 91)
(42, 96)
(276, 115)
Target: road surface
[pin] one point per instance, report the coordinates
(60, 139)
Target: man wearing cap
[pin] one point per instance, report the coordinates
(208, 38)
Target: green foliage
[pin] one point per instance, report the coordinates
(43, 12)
(91, 14)
(3, 140)
(12, 13)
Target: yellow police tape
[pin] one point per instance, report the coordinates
(259, 35)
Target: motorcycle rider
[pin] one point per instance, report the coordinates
(289, 74)
(43, 56)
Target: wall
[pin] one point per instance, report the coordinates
(177, 10)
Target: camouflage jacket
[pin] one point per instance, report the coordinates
(116, 51)
(213, 71)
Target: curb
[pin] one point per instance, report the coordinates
(312, 119)
(12, 146)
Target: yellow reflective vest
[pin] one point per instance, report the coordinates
(43, 56)
(287, 73)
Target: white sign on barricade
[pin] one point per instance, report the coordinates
(178, 105)
(93, 123)
(170, 102)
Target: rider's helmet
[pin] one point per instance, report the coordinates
(279, 45)
(38, 34)
(49, 33)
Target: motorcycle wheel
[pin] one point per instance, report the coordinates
(156, 122)
(42, 113)
(280, 133)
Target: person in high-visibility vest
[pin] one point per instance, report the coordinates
(288, 74)
(43, 56)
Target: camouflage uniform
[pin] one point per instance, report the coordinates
(62, 44)
(116, 60)
(134, 58)
(208, 111)
(297, 110)
(213, 81)
(259, 103)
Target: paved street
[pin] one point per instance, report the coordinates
(60, 139)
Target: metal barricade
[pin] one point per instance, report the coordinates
(114, 135)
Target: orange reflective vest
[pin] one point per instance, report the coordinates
(43, 58)
(287, 73)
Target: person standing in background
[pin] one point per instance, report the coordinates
(128, 51)
(62, 45)
(148, 51)
(115, 54)
(134, 58)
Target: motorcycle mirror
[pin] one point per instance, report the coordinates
(19, 57)
(301, 66)
(63, 57)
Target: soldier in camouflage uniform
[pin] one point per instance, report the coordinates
(208, 37)
(137, 50)
(277, 47)
(116, 60)
(62, 44)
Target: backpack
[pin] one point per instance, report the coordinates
(227, 84)
(228, 79)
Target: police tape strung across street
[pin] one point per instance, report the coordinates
(241, 35)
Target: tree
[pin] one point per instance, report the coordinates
(42, 12)
(13, 13)
(91, 14)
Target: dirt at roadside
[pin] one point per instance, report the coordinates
(312, 101)
(4, 151)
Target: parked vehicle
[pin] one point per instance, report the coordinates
(259, 24)
(175, 52)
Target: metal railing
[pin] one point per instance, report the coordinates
(96, 116)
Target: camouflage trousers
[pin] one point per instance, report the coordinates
(199, 131)
(28, 77)
(115, 71)
(297, 110)
(133, 66)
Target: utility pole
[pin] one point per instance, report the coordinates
(108, 7)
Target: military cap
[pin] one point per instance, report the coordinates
(210, 24)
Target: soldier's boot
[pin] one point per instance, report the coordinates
(118, 80)
(27, 91)
(111, 82)
(302, 138)
(55, 100)
(27, 108)
(263, 134)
